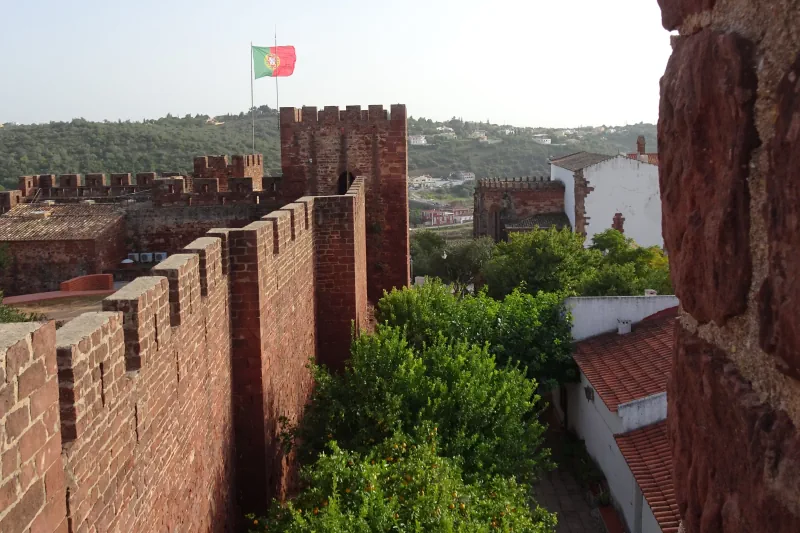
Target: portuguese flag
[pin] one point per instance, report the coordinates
(273, 61)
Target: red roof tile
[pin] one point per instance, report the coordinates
(647, 453)
(623, 368)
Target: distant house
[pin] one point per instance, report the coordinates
(446, 129)
(417, 140)
(422, 182)
(507, 131)
(477, 134)
(446, 135)
(605, 191)
(437, 217)
(462, 214)
(463, 175)
(619, 407)
(542, 140)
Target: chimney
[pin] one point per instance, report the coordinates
(623, 326)
(640, 144)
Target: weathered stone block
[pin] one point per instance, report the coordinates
(780, 293)
(673, 12)
(736, 459)
(706, 134)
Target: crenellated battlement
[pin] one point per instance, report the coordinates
(525, 182)
(161, 412)
(330, 115)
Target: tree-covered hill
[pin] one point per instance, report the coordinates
(170, 143)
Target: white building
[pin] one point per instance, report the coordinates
(417, 140)
(619, 407)
(446, 135)
(602, 190)
(478, 134)
(542, 140)
(507, 131)
(446, 129)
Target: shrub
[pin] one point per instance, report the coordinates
(524, 329)
(402, 485)
(484, 414)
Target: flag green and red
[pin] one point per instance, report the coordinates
(273, 61)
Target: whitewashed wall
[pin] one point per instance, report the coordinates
(627, 186)
(649, 522)
(593, 315)
(596, 425)
(566, 177)
(643, 412)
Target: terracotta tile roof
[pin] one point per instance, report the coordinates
(559, 220)
(652, 158)
(66, 222)
(648, 455)
(64, 210)
(580, 160)
(623, 368)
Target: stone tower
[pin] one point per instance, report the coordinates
(322, 152)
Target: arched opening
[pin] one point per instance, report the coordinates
(346, 179)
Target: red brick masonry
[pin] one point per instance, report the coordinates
(128, 419)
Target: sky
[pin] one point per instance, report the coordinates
(555, 63)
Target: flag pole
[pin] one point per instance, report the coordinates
(277, 96)
(252, 98)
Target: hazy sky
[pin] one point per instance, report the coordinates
(524, 62)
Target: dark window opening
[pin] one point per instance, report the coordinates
(346, 179)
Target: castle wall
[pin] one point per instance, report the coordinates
(168, 229)
(274, 337)
(40, 266)
(32, 481)
(339, 224)
(498, 201)
(729, 153)
(318, 148)
(217, 167)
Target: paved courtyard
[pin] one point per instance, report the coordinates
(559, 492)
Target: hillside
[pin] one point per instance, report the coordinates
(170, 143)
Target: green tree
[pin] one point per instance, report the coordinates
(402, 484)
(461, 262)
(624, 268)
(456, 262)
(426, 248)
(521, 329)
(486, 416)
(557, 261)
(543, 260)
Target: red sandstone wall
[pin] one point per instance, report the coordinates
(274, 337)
(32, 483)
(110, 247)
(513, 200)
(40, 266)
(319, 147)
(168, 229)
(730, 188)
(341, 272)
(145, 418)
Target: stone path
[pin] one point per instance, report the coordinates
(559, 492)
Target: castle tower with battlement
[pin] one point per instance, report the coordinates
(323, 151)
(504, 205)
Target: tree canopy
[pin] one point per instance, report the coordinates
(557, 261)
